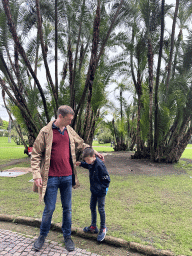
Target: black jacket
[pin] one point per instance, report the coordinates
(98, 176)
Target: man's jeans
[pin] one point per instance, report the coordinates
(101, 209)
(65, 186)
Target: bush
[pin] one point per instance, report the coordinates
(4, 134)
(105, 137)
(121, 147)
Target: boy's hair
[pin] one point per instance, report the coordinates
(88, 152)
(65, 110)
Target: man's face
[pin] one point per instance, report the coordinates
(66, 120)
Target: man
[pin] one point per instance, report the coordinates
(53, 165)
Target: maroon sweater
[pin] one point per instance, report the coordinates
(60, 155)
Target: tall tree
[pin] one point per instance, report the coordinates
(64, 30)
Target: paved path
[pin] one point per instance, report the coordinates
(15, 244)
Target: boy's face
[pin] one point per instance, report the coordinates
(89, 159)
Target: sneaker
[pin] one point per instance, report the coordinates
(69, 245)
(39, 243)
(91, 229)
(102, 234)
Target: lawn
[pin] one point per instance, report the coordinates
(14, 151)
(153, 210)
(102, 147)
(10, 150)
(188, 152)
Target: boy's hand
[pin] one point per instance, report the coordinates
(78, 163)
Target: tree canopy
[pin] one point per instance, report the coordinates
(74, 44)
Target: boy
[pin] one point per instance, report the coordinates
(99, 183)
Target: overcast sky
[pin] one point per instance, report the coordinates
(3, 112)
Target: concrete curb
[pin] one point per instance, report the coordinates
(149, 250)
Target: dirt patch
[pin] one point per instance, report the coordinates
(120, 163)
(14, 162)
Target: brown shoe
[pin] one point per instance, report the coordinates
(39, 243)
(69, 245)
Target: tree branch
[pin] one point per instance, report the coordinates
(23, 54)
(44, 53)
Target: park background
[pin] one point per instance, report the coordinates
(125, 69)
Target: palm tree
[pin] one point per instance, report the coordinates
(122, 87)
(70, 42)
(168, 119)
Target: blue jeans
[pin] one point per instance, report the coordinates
(65, 185)
(101, 208)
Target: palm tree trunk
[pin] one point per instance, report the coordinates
(20, 87)
(156, 131)
(82, 54)
(172, 46)
(150, 67)
(64, 72)
(132, 70)
(121, 112)
(87, 116)
(92, 66)
(180, 142)
(92, 130)
(56, 54)
(76, 54)
(138, 89)
(138, 140)
(48, 74)
(97, 61)
(115, 132)
(89, 127)
(71, 84)
(176, 52)
(36, 57)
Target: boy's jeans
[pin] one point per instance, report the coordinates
(101, 209)
(65, 185)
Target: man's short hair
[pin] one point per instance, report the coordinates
(88, 152)
(65, 110)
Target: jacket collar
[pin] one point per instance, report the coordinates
(48, 127)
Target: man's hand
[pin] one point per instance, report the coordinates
(100, 156)
(78, 163)
(38, 182)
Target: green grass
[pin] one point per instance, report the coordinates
(102, 147)
(11, 150)
(188, 152)
(151, 210)
(148, 210)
